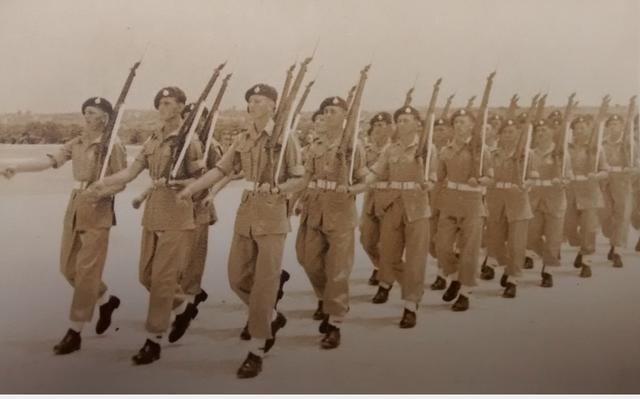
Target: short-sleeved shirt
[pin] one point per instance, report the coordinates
(514, 202)
(251, 153)
(163, 210)
(206, 214)
(399, 163)
(329, 209)
(549, 199)
(586, 192)
(83, 153)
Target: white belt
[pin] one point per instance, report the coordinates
(505, 185)
(403, 185)
(539, 182)
(616, 169)
(80, 185)
(241, 183)
(463, 187)
(380, 185)
(323, 184)
(579, 178)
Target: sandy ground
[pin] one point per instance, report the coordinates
(582, 336)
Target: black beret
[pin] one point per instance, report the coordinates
(507, 122)
(612, 118)
(170, 91)
(495, 117)
(440, 122)
(263, 90)
(522, 118)
(461, 112)
(542, 123)
(315, 115)
(406, 110)
(189, 108)
(578, 119)
(333, 101)
(98, 102)
(381, 117)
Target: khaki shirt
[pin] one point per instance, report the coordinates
(163, 210)
(206, 214)
(376, 200)
(587, 192)
(398, 163)
(329, 209)
(547, 199)
(261, 213)
(82, 213)
(458, 165)
(513, 201)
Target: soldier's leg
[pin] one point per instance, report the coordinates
(537, 237)
(391, 246)
(447, 236)
(621, 212)
(517, 244)
(572, 220)
(416, 233)
(370, 237)
(552, 239)
(241, 266)
(266, 280)
(496, 237)
(90, 260)
(170, 255)
(471, 237)
(68, 255)
(315, 248)
(192, 276)
(588, 229)
(338, 267)
(605, 214)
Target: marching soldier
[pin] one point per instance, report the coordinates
(168, 224)
(262, 222)
(380, 131)
(325, 241)
(404, 226)
(616, 188)
(584, 197)
(547, 195)
(508, 206)
(87, 221)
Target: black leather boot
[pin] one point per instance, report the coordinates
(69, 343)
(106, 311)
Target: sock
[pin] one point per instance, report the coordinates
(181, 308)
(335, 321)
(512, 280)
(465, 290)
(77, 326)
(156, 338)
(104, 298)
(189, 299)
(492, 262)
(441, 274)
(274, 314)
(411, 306)
(385, 285)
(256, 348)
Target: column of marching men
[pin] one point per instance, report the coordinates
(478, 191)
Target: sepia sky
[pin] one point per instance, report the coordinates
(55, 54)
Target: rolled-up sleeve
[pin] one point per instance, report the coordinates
(61, 156)
(293, 159)
(229, 162)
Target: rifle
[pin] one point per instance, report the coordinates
(470, 102)
(186, 131)
(513, 106)
(595, 140)
(628, 131)
(285, 88)
(212, 118)
(425, 139)
(108, 138)
(478, 143)
(447, 106)
(408, 98)
(566, 133)
(352, 91)
(540, 108)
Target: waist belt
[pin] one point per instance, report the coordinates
(323, 184)
(380, 185)
(505, 185)
(579, 178)
(615, 169)
(463, 187)
(241, 183)
(81, 185)
(403, 185)
(541, 183)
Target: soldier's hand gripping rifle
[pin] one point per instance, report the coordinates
(566, 134)
(479, 130)
(447, 106)
(595, 140)
(187, 129)
(286, 88)
(352, 91)
(425, 142)
(348, 141)
(111, 132)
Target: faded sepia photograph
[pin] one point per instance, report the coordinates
(320, 197)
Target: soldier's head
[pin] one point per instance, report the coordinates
(463, 122)
(261, 101)
(318, 120)
(380, 127)
(495, 121)
(543, 132)
(407, 121)
(335, 111)
(96, 111)
(441, 132)
(509, 132)
(170, 102)
(614, 126)
(580, 128)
